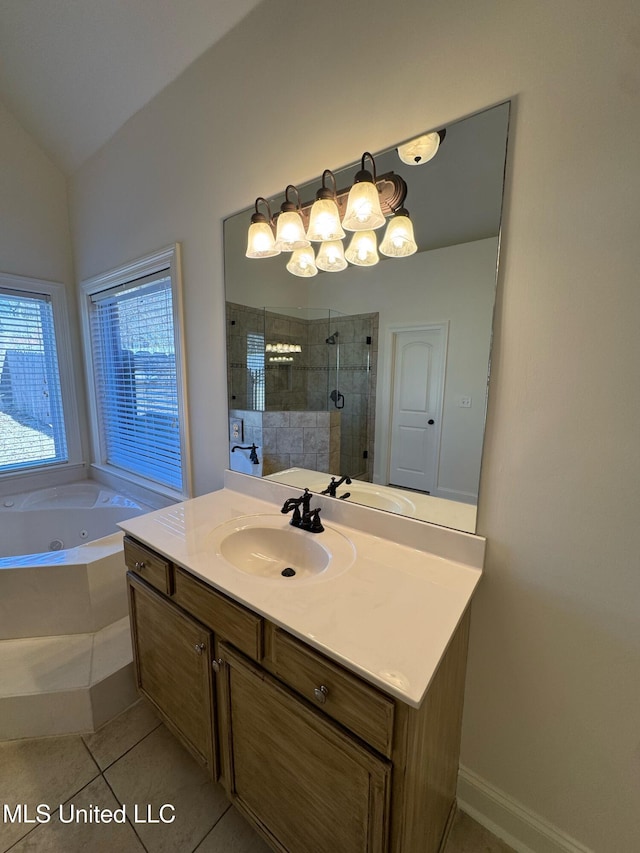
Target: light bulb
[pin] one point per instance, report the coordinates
(260, 241)
(303, 263)
(399, 241)
(290, 232)
(362, 249)
(324, 221)
(363, 208)
(331, 256)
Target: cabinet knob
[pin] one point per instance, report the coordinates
(199, 647)
(139, 564)
(321, 694)
(216, 664)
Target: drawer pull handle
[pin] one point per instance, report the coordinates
(139, 564)
(321, 694)
(199, 647)
(216, 664)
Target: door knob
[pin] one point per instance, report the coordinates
(431, 422)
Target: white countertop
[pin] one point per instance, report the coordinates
(389, 617)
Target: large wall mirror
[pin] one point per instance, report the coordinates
(376, 373)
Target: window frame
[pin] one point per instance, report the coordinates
(167, 261)
(56, 291)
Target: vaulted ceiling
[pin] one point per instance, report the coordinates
(73, 71)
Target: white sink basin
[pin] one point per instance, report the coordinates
(268, 547)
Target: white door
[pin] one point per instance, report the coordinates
(418, 384)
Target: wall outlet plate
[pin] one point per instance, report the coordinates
(236, 429)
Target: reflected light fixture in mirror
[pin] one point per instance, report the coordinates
(303, 263)
(331, 256)
(363, 249)
(421, 149)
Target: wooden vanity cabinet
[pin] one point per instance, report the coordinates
(300, 778)
(314, 756)
(173, 656)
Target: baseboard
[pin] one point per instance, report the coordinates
(509, 820)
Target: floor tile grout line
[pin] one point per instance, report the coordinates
(117, 799)
(210, 830)
(127, 751)
(70, 797)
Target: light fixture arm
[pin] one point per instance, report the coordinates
(363, 174)
(324, 191)
(260, 217)
(287, 204)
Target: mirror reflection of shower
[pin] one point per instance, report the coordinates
(335, 396)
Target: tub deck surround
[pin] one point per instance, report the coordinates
(65, 644)
(388, 618)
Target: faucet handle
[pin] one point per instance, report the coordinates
(315, 525)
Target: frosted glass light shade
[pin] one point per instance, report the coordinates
(419, 150)
(260, 241)
(362, 249)
(324, 221)
(399, 241)
(290, 232)
(303, 263)
(363, 208)
(331, 256)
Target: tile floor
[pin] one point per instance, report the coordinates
(133, 760)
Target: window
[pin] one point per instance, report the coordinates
(255, 371)
(133, 324)
(32, 422)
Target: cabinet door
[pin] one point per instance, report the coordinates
(309, 786)
(172, 655)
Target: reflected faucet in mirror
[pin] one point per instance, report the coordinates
(402, 349)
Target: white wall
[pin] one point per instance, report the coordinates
(35, 237)
(552, 698)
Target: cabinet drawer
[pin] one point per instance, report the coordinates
(340, 694)
(231, 621)
(156, 570)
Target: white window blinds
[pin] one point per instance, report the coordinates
(255, 372)
(32, 429)
(133, 348)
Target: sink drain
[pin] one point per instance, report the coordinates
(288, 573)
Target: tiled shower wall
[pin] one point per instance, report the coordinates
(293, 439)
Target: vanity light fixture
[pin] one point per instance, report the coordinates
(324, 219)
(290, 233)
(363, 205)
(421, 149)
(303, 263)
(363, 251)
(399, 241)
(368, 201)
(260, 240)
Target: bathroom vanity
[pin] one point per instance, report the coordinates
(328, 704)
